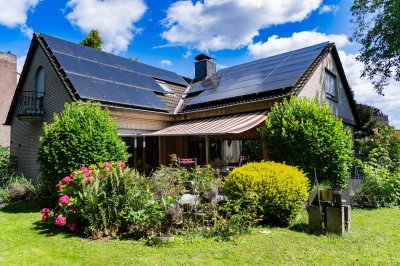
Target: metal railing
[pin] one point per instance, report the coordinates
(30, 103)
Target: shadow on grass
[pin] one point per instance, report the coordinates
(26, 206)
(305, 228)
(43, 229)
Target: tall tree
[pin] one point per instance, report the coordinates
(93, 40)
(377, 29)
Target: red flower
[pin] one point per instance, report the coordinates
(85, 170)
(45, 211)
(73, 208)
(64, 200)
(60, 220)
(68, 180)
(107, 165)
(45, 217)
(121, 164)
(89, 179)
(59, 187)
(72, 227)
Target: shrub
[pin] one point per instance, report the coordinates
(7, 165)
(105, 200)
(253, 148)
(279, 189)
(83, 134)
(19, 188)
(303, 133)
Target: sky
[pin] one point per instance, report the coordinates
(169, 34)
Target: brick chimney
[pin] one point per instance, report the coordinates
(8, 83)
(204, 67)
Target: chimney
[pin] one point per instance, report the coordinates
(8, 83)
(204, 67)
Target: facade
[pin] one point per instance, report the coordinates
(160, 112)
(8, 83)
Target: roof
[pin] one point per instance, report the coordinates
(243, 124)
(267, 77)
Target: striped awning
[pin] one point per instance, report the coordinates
(213, 126)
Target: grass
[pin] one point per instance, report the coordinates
(374, 240)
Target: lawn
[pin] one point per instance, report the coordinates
(374, 240)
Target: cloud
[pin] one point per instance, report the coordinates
(229, 24)
(221, 66)
(20, 63)
(328, 9)
(166, 62)
(15, 13)
(114, 19)
(275, 45)
(364, 92)
(188, 53)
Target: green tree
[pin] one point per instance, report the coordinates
(83, 134)
(377, 30)
(93, 40)
(303, 133)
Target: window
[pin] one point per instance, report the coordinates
(330, 85)
(164, 86)
(40, 83)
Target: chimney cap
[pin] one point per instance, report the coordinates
(201, 57)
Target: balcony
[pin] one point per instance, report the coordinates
(30, 106)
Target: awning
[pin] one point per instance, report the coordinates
(213, 126)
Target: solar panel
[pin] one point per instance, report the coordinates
(106, 91)
(76, 50)
(263, 75)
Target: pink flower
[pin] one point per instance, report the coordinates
(85, 170)
(107, 165)
(72, 227)
(60, 220)
(73, 208)
(68, 180)
(89, 179)
(59, 187)
(45, 217)
(121, 164)
(45, 211)
(64, 200)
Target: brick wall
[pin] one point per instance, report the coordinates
(25, 135)
(8, 83)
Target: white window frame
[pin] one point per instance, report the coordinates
(330, 74)
(164, 86)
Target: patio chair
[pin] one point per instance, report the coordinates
(188, 163)
(243, 159)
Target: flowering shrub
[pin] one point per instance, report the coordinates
(68, 213)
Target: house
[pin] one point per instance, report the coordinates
(160, 112)
(8, 82)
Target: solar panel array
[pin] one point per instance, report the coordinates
(264, 75)
(106, 77)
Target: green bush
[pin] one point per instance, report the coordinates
(7, 165)
(253, 148)
(82, 134)
(279, 189)
(303, 133)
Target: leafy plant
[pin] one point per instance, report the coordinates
(93, 40)
(253, 148)
(7, 165)
(83, 134)
(303, 133)
(278, 189)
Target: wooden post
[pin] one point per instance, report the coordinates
(207, 149)
(144, 154)
(135, 152)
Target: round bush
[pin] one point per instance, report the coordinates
(83, 134)
(303, 133)
(278, 189)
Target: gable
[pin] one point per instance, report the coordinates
(343, 105)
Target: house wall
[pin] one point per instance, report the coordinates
(24, 134)
(315, 88)
(8, 83)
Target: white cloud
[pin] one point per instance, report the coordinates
(221, 66)
(15, 13)
(114, 19)
(229, 24)
(188, 53)
(166, 62)
(275, 45)
(20, 63)
(328, 9)
(364, 92)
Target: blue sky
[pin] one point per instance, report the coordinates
(170, 34)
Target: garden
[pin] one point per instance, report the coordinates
(90, 207)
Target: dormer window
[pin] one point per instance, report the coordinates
(330, 85)
(165, 86)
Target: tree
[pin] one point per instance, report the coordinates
(83, 134)
(92, 40)
(369, 118)
(377, 30)
(303, 133)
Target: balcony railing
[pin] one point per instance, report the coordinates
(30, 104)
